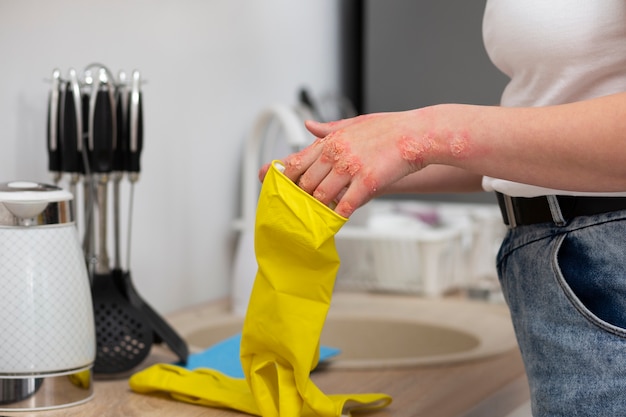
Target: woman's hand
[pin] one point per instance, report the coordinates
(354, 159)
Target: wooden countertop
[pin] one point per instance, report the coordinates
(433, 391)
(437, 391)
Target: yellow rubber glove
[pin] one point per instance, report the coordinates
(208, 387)
(298, 262)
(297, 266)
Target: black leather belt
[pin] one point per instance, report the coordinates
(518, 211)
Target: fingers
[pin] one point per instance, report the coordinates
(328, 169)
(298, 163)
(263, 171)
(310, 180)
(328, 188)
(354, 196)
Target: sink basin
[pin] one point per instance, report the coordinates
(381, 330)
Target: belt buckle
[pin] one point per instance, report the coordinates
(510, 211)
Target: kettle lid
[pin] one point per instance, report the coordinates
(23, 201)
(32, 192)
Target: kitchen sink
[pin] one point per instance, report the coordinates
(381, 330)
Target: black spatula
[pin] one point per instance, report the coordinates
(123, 334)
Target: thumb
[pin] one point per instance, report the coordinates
(321, 130)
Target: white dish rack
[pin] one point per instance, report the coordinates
(390, 246)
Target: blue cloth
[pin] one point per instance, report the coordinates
(224, 357)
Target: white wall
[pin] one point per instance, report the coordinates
(211, 66)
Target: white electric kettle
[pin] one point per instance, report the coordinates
(47, 333)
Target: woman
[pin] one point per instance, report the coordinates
(555, 152)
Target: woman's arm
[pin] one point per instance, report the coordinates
(435, 179)
(579, 146)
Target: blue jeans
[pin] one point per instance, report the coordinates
(566, 290)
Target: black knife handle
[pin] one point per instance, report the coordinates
(122, 99)
(85, 139)
(102, 125)
(135, 125)
(54, 126)
(72, 135)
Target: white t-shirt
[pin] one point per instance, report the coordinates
(555, 52)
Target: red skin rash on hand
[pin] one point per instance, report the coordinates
(303, 183)
(371, 183)
(413, 150)
(295, 162)
(337, 152)
(348, 165)
(332, 151)
(459, 144)
(319, 195)
(345, 209)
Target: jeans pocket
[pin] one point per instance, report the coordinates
(590, 269)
